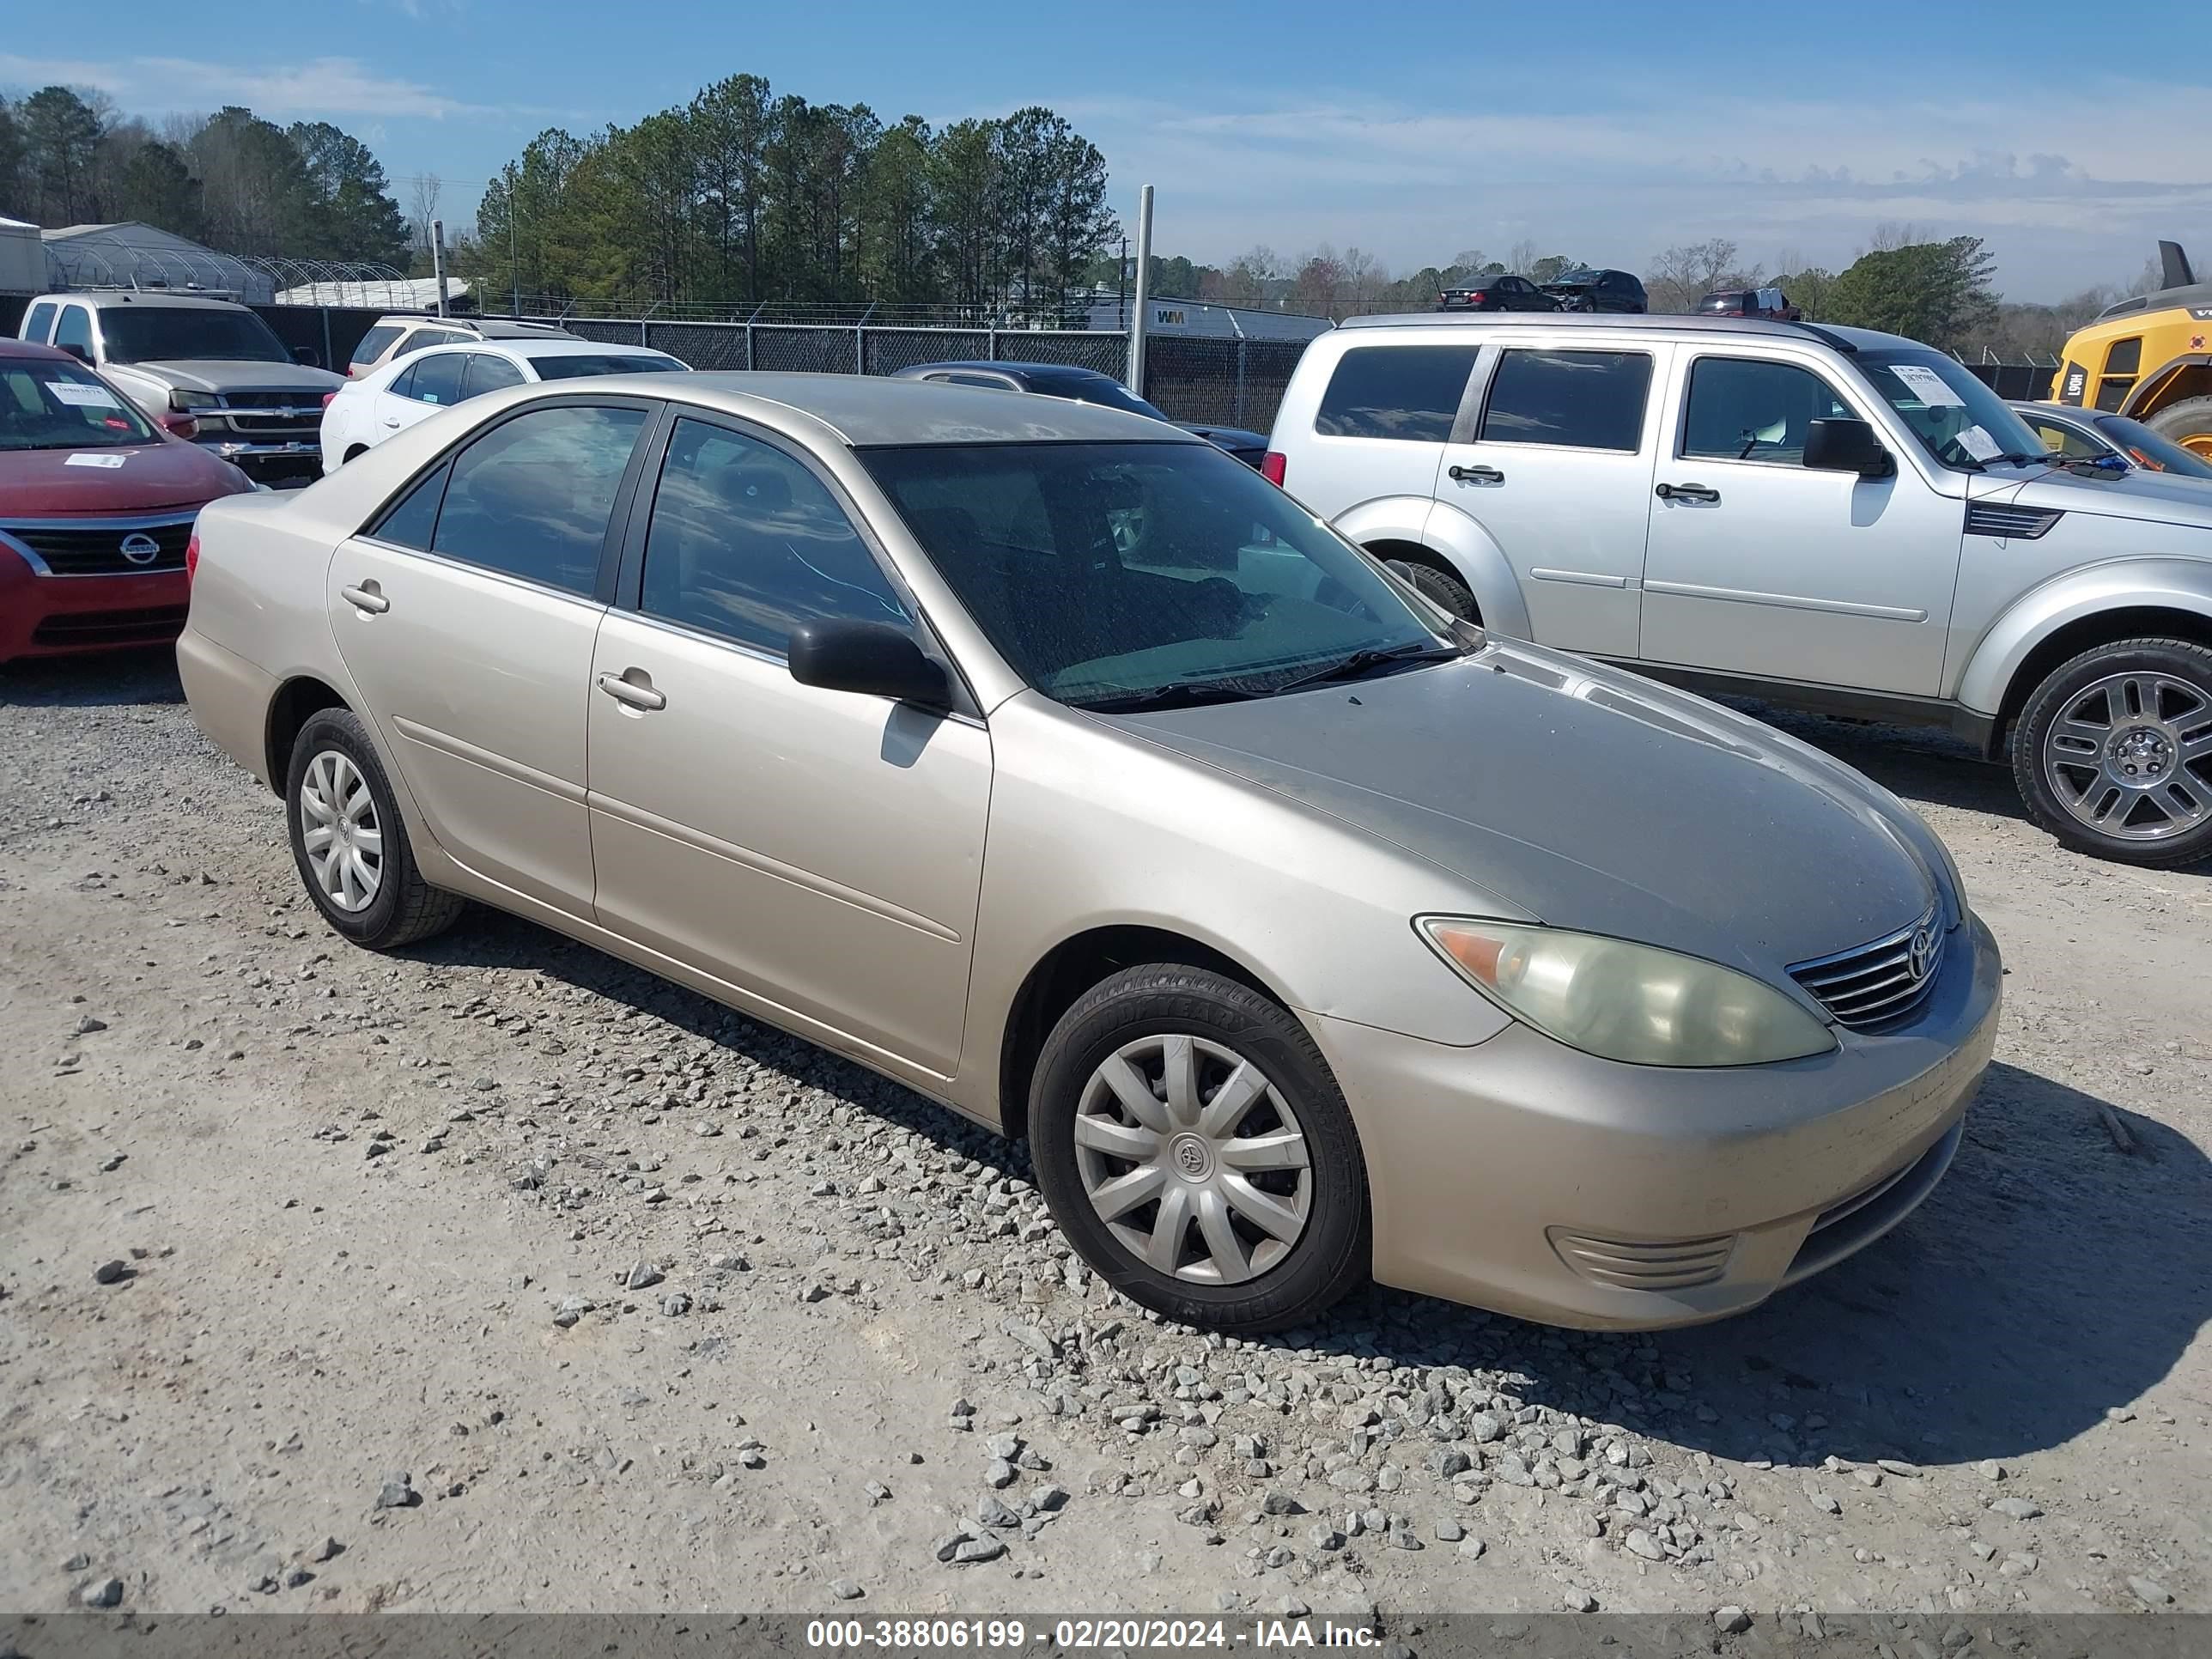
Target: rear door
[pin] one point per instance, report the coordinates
(466, 614)
(1380, 426)
(1554, 460)
(820, 850)
(1760, 565)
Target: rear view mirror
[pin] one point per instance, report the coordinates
(871, 659)
(1844, 446)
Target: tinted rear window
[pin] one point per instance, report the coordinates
(373, 342)
(1395, 391)
(1579, 399)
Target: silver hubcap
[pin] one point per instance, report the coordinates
(1194, 1160)
(2130, 757)
(339, 828)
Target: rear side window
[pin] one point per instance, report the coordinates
(1577, 399)
(438, 379)
(532, 496)
(1409, 392)
(373, 342)
(39, 322)
(414, 520)
(488, 372)
(76, 328)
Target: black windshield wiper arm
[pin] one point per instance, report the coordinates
(1366, 661)
(1182, 694)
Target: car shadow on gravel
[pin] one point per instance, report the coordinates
(2050, 1278)
(108, 680)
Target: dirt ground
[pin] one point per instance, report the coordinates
(501, 1276)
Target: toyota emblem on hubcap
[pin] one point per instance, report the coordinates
(141, 549)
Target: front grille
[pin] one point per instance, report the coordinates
(1625, 1265)
(300, 419)
(2020, 523)
(147, 626)
(1877, 983)
(97, 549)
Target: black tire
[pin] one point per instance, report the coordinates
(405, 908)
(2188, 423)
(1326, 1260)
(2181, 659)
(1441, 587)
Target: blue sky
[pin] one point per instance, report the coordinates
(1604, 131)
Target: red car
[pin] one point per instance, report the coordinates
(96, 507)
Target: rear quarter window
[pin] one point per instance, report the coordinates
(38, 323)
(1573, 400)
(1406, 392)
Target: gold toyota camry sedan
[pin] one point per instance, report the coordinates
(1051, 761)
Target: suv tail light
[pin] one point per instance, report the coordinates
(191, 558)
(327, 396)
(1271, 466)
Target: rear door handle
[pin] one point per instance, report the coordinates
(366, 597)
(391, 420)
(626, 690)
(1476, 474)
(1689, 492)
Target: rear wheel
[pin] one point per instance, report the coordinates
(2113, 752)
(1437, 585)
(1197, 1153)
(349, 843)
(2188, 423)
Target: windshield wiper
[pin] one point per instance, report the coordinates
(1363, 662)
(1180, 694)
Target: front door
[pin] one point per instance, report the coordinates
(1556, 467)
(466, 616)
(1759, 565)
(820, 850)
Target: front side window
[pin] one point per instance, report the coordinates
(172, 334)
(40, 322)
(746, 543)
(438, 379)
(1575, 399)
(76, 329)
(1957, 419)
(1741, 408)
(531, 497)
(58, 406)
(372, 344)
(1117, 575)
(1395, 391)
(2067, 443)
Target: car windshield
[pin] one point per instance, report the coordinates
(50, 405)
(2145, 449)
(158, 333)
(1958, 419)
(1123, 575)
(1578, 277)
(573, 368)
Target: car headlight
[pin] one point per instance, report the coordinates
(189, 400)
(1628, 1002)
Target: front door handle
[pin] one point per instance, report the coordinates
(366, 597)
(636, 693)
(1689, 492)
(1476, 474)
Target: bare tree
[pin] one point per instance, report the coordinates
(425, 209)
(1522, 258)
(1892, 235)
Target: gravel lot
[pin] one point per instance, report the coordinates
(502, 1276)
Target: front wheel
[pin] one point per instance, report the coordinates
(2113, 752)
(1194, 1148)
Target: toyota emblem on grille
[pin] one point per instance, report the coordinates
(141, 549)
(1922, 953)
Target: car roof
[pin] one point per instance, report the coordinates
(1843, 339)
(101, 298)
(489, 328)
(862, 410)
(1019, 370)
(553, 346)
(28, 348)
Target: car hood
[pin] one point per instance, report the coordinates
(1588, 798)
(40, 483)
(2138, 493)
(218, 374)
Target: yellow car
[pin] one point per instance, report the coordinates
(2148, 358)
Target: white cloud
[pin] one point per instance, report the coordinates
(318, 87)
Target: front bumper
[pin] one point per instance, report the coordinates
(1523, 1177)
(281, 465)
(60, 616)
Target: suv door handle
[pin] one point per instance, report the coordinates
(1689, 492)
(366, 598)
(635, 695)
(1476, 474)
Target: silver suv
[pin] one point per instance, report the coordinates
(1825, 517)
(207, 369)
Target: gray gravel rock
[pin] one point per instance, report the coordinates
(397, 1492)
(110, 1273)
(1732, 1621)
(101, 1593)
(2017, 1509)
(845, 1589)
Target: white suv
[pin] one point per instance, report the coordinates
(390, 339)
(1825, 517)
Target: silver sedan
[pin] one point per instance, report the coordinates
(1054, 764)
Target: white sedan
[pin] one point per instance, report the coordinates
(362, 414)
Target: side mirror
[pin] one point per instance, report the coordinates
(308, 355)
(1842, 445)
(873, 658)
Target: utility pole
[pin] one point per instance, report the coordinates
(438, 260)
(1144, 282)
(1122, 302)
(514, 261)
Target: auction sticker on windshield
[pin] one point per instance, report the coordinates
(1928, 384)
(95, 460)
(82, 394)
(1980, 444)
